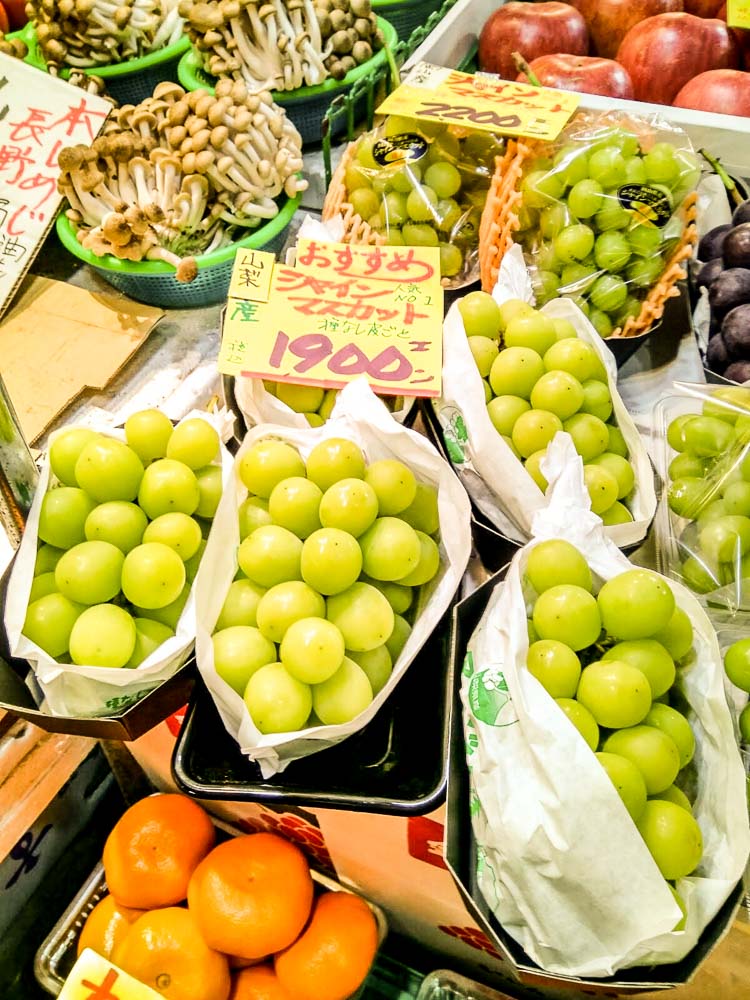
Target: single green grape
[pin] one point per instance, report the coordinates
(607, 166)
(611, 251)
(601, 323)
(539, 187)
(574, 243)
(451, 259)
(419, 235)
(585, 198)
(611, 215)
(443, 178)
(364, 201)
(645, 272)
(608, 293)
(421, 204)
(661, 165)
(553, 219)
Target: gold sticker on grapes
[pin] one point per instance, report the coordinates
(481, 101)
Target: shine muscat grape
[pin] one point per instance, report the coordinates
(708, 492)
(433, 199)
(606, 653)
(333, 551)
(120, 538)
(540, 378)
(316, 405)
(581, 242)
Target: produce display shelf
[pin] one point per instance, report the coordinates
(454, 40)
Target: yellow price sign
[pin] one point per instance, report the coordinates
(251, 275)
(481, 101)
(95, 978)
(738, 13)
(342, 312)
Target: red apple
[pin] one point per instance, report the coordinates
(702, 8)
(609, 21)
(742, 35)
(663, 53)
(720, 91)
(585, 74)
(533, 29)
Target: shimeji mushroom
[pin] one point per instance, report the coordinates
(181, 174)
(13, 47)
(281, 44)
(84, 33)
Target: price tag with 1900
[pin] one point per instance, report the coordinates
(342, 312)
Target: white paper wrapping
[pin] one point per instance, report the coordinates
(360, 416)
(560, 862)
(495, 479)
(87, 691)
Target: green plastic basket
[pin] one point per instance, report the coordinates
(128, 82)
(153, 281)
(406, 15)
(305, 106)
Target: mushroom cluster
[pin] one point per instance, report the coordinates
(282, 44)
(181, 174)
(84, 33)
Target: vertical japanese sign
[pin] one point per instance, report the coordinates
(39, 114)
(340, 312)
(94, 978)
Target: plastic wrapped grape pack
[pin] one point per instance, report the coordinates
(605, 216)
(100, 599)
(414, 183)
(337, 551)
(601, 749)
(704, 517)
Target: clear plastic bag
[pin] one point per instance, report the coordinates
(415, 183)
(605, 216)
(703, 522)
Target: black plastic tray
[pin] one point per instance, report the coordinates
(397, 764)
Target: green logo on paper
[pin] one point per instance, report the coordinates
(455, 436)
(489, 699)
(468, 665)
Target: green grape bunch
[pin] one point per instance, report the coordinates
(598, 220)
(539, 378)
(429, 192)
(333, 552)
(609, 655)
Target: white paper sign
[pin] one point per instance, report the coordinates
(39, 115)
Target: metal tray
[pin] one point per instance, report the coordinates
(57, 953)
(396, 764)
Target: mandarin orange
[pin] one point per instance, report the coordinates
(258, 983)
(154, 848)
(165, 950)
(331, 958)
(251, 895)
(106, 926)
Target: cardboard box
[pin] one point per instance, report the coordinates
(460, 857)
